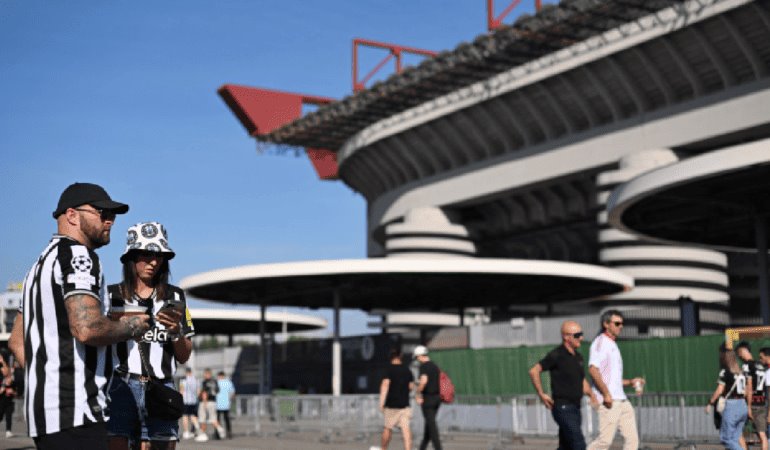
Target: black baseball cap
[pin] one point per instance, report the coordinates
(78, 194)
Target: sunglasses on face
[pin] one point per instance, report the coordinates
(103, 214)
(618, 324)
(577, 335)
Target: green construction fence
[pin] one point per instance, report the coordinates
(687, 364)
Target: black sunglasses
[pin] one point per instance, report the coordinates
(104, 214)
(618, 324)
(578, 335)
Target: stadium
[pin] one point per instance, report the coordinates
(517, 138)
(510, 147)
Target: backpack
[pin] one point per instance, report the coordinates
(446, 389)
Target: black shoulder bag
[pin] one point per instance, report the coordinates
(160, 400)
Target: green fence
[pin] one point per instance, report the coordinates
(669, 365)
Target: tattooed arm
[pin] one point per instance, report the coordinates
(90, 327)
(16, 340)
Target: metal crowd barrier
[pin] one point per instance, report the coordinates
(672, 417)
(353, 417)
(669, 417)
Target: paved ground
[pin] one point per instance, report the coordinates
(246, 438)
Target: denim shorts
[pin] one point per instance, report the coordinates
(128, 418)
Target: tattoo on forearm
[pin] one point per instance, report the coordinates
(89, 325)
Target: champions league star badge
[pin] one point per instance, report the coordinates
(82, 263)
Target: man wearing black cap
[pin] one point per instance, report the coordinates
(62, 329)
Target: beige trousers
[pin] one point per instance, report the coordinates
(620, 417)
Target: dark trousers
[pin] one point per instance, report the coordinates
(7, 407)
(568, 417)
(223, 416)
(92, 436)
(429, 412)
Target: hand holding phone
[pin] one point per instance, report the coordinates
(170, 315)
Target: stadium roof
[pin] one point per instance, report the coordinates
(553, 28)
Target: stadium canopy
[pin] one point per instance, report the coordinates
(401, 284)
(719, 200)
(243, 321)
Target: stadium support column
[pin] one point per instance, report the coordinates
(336, 349)
(262, 365)
(663, 273)
(761, 238)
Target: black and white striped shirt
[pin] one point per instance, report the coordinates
(64, 378)
(156, 343)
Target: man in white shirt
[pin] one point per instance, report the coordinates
(605, 365)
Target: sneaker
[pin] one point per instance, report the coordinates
(8, 434)
(203, 437)
(221, 432)
(187, 435)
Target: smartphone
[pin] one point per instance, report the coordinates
(173, 303)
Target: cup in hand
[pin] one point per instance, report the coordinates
(116, 312)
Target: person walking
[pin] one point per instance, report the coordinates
(731, 384)
(605, 365)
(754, 372)
(764, 358)
(207, 407)
(225, 397)
(7, 391)
(146, 287)
(395, 387)
(568, 385)
(428, 397)
(61, 332)
(188, 387)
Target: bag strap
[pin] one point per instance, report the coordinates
(735, 383)
(145, 363)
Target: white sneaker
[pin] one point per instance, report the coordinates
(187, 435)
(222, 434)
(203, 437)
(8, 434)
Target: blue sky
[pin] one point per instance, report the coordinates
(123, 94)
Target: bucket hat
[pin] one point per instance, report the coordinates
(148, 237)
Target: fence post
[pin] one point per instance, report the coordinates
(514, 415)
(682, 416)
(256, 404)
(499, 402)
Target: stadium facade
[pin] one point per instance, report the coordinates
(508, 146)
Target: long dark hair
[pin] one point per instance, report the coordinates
(160, 280)
(728, 361)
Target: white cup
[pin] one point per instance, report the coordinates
(116, 312)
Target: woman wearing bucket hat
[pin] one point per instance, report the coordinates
(154, 356)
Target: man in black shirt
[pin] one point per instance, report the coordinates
(428, 397)
(568, 384)
(394, 400)
(755, 378)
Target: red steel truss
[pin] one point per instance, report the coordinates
(494, 22)
(394, 51)
(261, 111)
